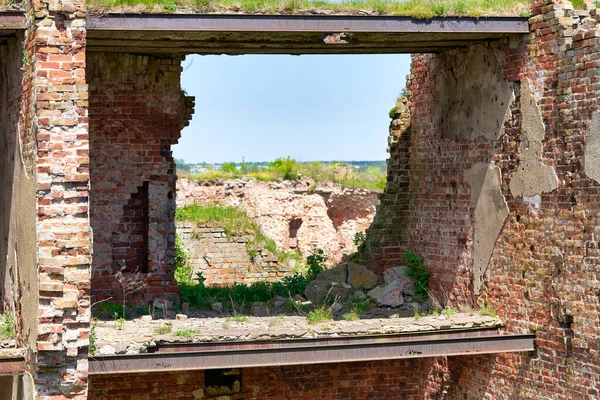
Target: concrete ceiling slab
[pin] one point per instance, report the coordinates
(291, 34)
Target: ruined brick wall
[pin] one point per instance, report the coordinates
(137, 111)
(54, 135)
(504, 202)
(299, 216)
(224, 260)
(365, 380)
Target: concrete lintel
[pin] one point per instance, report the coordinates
(291, 34)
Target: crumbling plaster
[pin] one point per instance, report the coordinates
(491, 211)
(532, 177)
(473, 98)
(592, 149)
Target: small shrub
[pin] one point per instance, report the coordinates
(183, 271)
(287, 168)
(417, 272)
(316, 263)
(163, 329)
(392, 113)
(120, 323)
(229, 168)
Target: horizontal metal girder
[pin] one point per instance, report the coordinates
(201, 356)
(304, 23)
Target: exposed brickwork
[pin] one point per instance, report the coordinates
(543, 274)
(137, 111)
(55, 113)
(225, 260)
(365, 380)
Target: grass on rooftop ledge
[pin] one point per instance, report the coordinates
(422, 9)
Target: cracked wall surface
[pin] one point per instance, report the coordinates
(532, 177)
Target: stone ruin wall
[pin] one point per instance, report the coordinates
(137, 111)
(224, 260)
(297, 215)
(494, 181)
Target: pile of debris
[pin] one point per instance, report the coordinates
(350, 287)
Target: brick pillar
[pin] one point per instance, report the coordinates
(56, 100)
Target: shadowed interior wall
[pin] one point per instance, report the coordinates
(137, 111)
(18, 262)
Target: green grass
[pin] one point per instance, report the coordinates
(487, 310)
(414, 8)
(7, 326)
(163, 329)
(186, 332)
(237, 318)
(353, 315)
(448, 312)
(320, 314)
(235, 222)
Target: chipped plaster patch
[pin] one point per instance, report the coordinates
(591, 156)
(491, 211)
(532, 176)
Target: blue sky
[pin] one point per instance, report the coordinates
(310, 107)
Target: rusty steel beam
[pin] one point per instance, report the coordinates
(200, 356)
(304, 23)
(10, 20)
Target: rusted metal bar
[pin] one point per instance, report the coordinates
(304, 23)
(311, 351)
(12, 21)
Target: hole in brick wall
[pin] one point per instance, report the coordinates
(518, 218)
(130, 239)
(219, 382)
(532, 248)
(295, 224)
(165, 148)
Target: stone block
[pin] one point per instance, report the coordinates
(359, 276)
(389, 295)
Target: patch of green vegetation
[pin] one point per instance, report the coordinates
(320, 314)
(487, 310)
(371, 177)
(412, 8)
(235, 222)
(197, 294)
(237, 318)
(93, 339)
(578, 4)
(417, 272)
(353, 315)
(187, 333)
(7, 326)
(448, 312)
(163, 329)
(183, 271)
